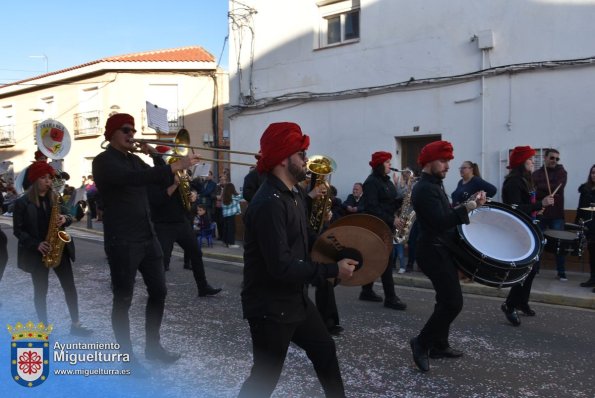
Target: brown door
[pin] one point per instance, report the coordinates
(411, 147)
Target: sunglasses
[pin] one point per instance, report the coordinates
(554, 158)
(127, 130)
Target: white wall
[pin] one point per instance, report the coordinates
(424, 39)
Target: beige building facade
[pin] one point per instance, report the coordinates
(184, 81)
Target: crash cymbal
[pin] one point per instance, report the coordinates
(365, 242)
(592, 208)
(370, 222)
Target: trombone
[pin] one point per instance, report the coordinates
(181, 144)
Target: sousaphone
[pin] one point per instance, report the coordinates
(364, 235)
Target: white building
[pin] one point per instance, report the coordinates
(367, 75)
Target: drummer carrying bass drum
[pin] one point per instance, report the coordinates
(437, 222)
(518, 190)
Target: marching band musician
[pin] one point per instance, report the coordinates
(380, 200)
(130, 240)
(277, 269)
(437, 221)
(172, 225)
(31, 222)
(518, 189)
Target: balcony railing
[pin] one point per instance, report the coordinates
(87, 124)
(7, 136)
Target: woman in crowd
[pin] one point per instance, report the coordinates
(470, 183)
(230, 206)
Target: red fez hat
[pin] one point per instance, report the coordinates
(519, 155)
(379, 158)
(278, 142)
(39, 154)
(39, 169)
(434, 151)
(116, 122)
(162, 148)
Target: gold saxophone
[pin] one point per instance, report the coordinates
(55, 237)
(320, 167)
(407, 216)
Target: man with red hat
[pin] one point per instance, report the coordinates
(130, 240)
(277, 269)
(519, 190)
(380, 200)
(437, 222)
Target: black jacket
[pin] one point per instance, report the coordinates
(277, 267)
(515, 191)
(380, 198)
(122, 180)
(26, 229)
(587, 197)
(437, 219)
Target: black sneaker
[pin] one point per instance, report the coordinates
(589, 283)
(511, 314)
(80, 330)
(208, 290)
(525, 309)
(395, 303)
(370, 295)
(158, 353)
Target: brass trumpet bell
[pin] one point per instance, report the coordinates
(321, 165)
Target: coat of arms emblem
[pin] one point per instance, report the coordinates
(29, 353)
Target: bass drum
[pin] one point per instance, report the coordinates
(499, 246)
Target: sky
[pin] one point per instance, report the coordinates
(71, 33)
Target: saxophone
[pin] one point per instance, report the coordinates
(55, 237)
(407, 216)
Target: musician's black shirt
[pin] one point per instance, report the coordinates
(122, 181)
(380, 198)
(276, 261)
(436, 217)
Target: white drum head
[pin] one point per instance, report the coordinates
(499, 235)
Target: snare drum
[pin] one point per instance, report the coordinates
(563, 242)
(499, 246)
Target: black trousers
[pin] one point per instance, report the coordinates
(3, 252)
(519, 294)
(324, 296)
(388, 284)
(436, 263)
(229, 230)
(125, 259)
(40, 276)
(182, 234)
(270, 341)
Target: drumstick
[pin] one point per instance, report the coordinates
(556, 190)
(547, 179)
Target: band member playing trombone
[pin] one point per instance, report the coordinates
(130, 240)
(277, 270)
(32, 219)
(437, 221)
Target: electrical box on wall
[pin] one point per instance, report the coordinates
(485, 39)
